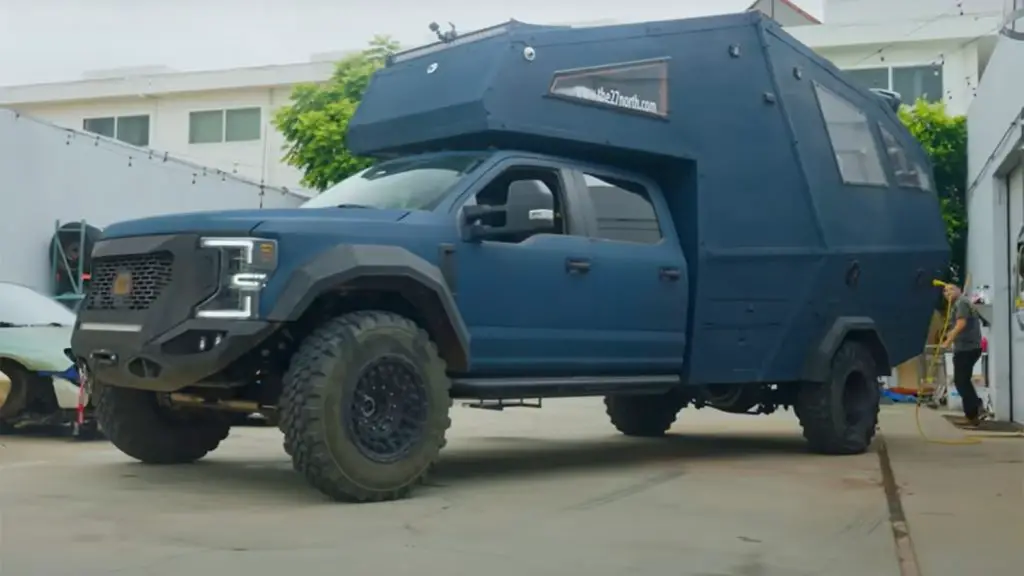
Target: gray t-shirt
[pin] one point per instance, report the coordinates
(970, 337)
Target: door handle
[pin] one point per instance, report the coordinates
(577, 265)
(669, 274)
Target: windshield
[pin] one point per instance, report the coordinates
(23, 306)
(414, 183)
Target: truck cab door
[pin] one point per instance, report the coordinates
(639, 276)
(522, 296)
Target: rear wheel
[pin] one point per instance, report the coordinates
(365, 406)
(645, 415)
(140, 426)
(840, 415)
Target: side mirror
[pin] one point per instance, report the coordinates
(530, 208)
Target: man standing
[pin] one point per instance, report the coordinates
(964, 337)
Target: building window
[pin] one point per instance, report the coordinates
(918, 82)
(129, 129)
(234, 125)
(206, 127)
(623, 210)
(850, 133)
(870, 77)
(912, 82)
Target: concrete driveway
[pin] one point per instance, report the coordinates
(546, 492)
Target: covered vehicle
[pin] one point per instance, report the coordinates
(39, 383)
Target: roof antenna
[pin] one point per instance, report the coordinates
(447, 36)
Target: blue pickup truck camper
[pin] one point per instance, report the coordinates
(694, 212)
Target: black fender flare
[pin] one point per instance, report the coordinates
(860, 328)
(348, 263)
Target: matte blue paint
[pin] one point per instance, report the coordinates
(744, 182)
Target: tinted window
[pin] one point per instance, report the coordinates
(623, 210)
(638, 86)
(905, 173)
(924, 178)
(850, 133)
(908, 174)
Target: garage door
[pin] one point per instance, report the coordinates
(1016, 220)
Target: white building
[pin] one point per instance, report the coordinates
(931, 48)
(219, 118)
(995, 203)
(78, 177)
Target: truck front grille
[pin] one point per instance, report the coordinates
(131, 282)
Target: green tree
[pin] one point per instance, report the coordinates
(944, 137)
(315, 122)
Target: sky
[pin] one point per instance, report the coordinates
(59, 40)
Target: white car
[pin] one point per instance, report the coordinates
(39, 383)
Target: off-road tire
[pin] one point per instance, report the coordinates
(138, 425)
(7, 429)
(833, 421)
(644, 415)
(321, 379)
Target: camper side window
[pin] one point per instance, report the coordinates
(850, 133)
(908, 174)
(623, 210)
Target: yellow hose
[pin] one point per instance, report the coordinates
(930, 369)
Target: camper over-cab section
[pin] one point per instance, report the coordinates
(778, 170)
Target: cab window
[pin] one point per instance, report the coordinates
(495, 193)
(623, 210)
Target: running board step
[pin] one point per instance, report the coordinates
(501, 404)
(479, 389)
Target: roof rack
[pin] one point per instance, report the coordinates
(461, 38)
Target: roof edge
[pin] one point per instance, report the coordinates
(792, 6)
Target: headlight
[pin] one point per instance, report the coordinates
(245, 265)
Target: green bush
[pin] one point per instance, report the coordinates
(315, 122)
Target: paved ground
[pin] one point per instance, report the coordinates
(550, 492)
(964, 505)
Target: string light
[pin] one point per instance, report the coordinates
(176, 163)
(939, 61)
(958, 9)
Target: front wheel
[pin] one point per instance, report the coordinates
(840, 415)
(365, 406)
(140, 426)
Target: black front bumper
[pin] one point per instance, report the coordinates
(148, 339)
